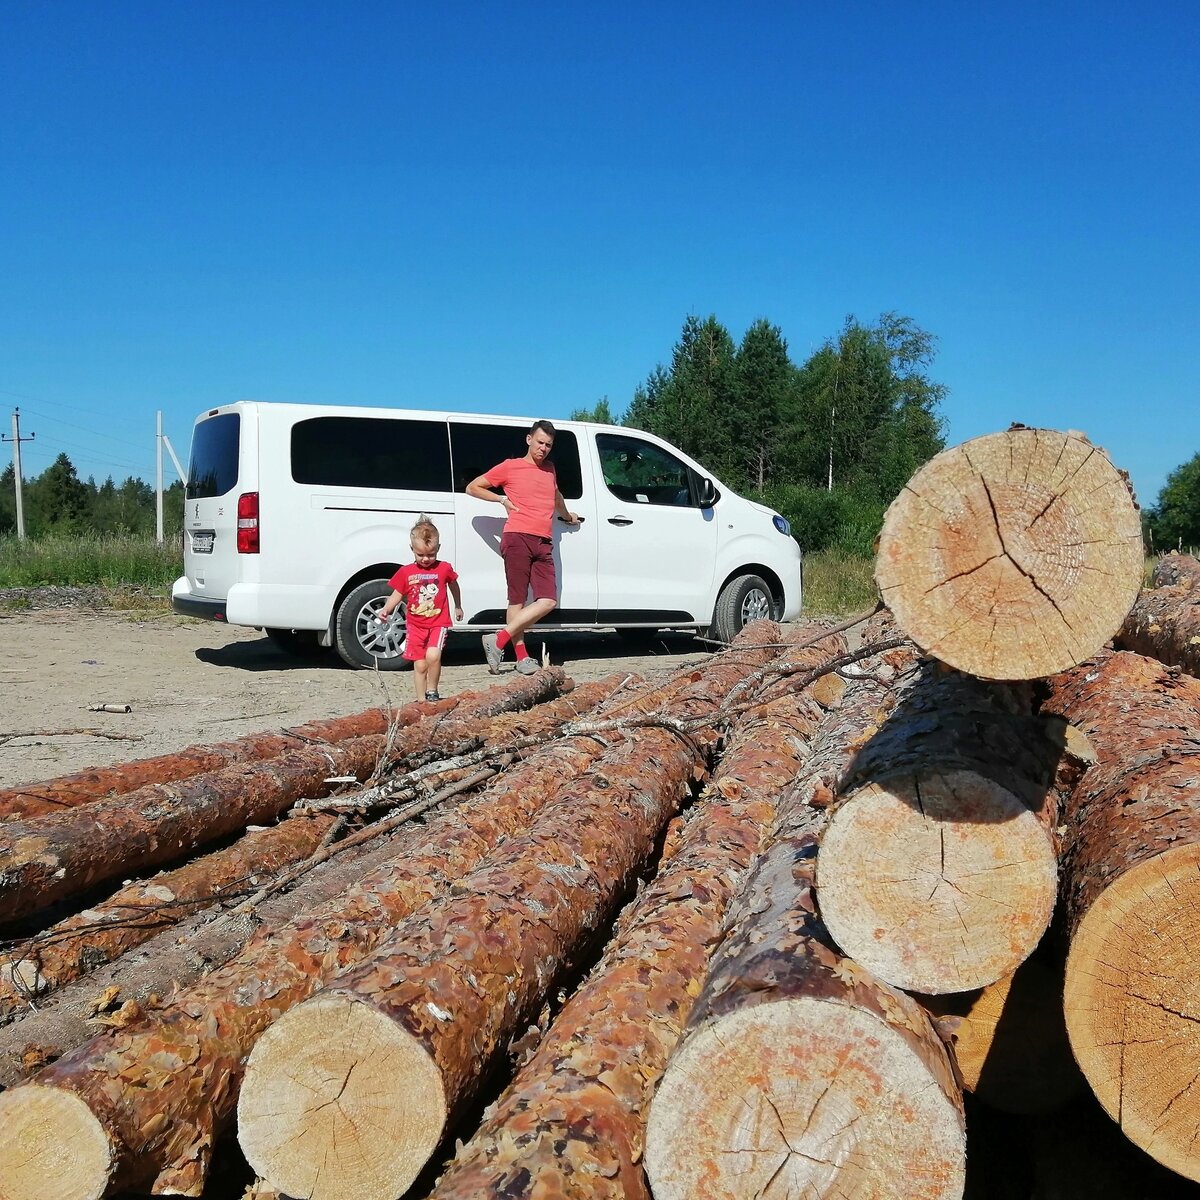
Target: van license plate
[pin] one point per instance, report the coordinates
(202, 543)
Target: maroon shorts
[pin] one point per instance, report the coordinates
(420, 638)
(528, 562)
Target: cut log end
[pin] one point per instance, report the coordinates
(1133, 1012)
(1012, 556)
(339, 1101)
(941, 881)
(51, 1147)
(802, 1097)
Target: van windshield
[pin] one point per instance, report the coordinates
(213, 470)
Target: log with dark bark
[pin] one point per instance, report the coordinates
(800, 1074)
(1173, 569)
(1014, 555)
(135, 913)
(1165, 624)
(1010, 1041)
(83, 787)
(572, 1123)
(50, 857)
(159, 1092)
(391, 1049)
(1131, 887)
(938, 869)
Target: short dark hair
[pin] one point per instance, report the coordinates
(544, 426)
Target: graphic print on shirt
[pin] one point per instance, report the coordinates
(422, 596)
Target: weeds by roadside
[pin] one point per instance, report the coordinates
(89, 560)
(838, 583)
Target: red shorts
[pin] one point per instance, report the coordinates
(419, 638)
(528, 563)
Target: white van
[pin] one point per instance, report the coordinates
(297, 515)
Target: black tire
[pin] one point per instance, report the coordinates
(358, 642)
(743, 599)
(297, 643)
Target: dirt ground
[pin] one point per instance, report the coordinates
(191, 681)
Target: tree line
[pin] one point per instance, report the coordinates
(828, 442)
(58, 502)
(1173, 523)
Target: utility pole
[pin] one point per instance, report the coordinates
(16, 440)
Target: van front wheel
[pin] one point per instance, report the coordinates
(360, 640)
(743, 599)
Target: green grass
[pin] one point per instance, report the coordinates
(115, 563)
(838, 583)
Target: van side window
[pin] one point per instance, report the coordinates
(640, 472)
(479, 447)
(371, 452)
(214, 466)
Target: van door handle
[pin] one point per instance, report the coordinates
(620, 520)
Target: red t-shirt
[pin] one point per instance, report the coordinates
(531, 488)
(424, 592)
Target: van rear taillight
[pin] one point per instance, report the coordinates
(247, 523)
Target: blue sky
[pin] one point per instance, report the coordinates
(512, 208)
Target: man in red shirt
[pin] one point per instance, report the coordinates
(531, 498)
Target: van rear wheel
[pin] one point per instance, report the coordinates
(299, 643)
(360, 640)
(743, 599)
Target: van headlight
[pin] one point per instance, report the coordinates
(782, 524)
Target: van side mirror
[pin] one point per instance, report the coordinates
(708, 493)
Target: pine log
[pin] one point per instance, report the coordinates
(572, 1123)
(1132, 891)
(938, 868)
(83, 787)
(50, 857)
(1009, 1040)
(385, 1054)
(1174, 568)
(135, 913)
(1014, 555)
(1165, 624)
(799, 1074)
(162, 1090)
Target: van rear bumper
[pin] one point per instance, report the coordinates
(208, 610)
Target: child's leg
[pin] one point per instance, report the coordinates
(432, 668)
(419, 678)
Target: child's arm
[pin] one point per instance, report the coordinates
(390, 605)
(456, 595)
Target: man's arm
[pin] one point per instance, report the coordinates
(560, 507)
(481, 488)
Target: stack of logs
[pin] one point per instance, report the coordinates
(937, 872)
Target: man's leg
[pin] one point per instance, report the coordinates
(545, 600)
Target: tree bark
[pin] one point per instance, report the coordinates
(1009, 1040)
(938, 868)
(572, 1123)
(1131, 888)
(1173, 569)
(1014, 555)
(398, 1044)
(1165, 624)
(47, 858)
(69, 791)
(160, 1091)
(800, 1074)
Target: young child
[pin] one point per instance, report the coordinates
(422, 587)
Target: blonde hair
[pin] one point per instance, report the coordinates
(424, 533)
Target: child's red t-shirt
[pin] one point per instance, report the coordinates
(424, 592)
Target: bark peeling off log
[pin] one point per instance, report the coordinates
(460, 977)
(1132, 891)
(572, 1123)
(1014, 555)
(1165, 624)
(799, 1072)
(162, 1089)
(938, 870)
(69, 791)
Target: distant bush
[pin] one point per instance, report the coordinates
(824, 520)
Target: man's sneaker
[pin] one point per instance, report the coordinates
(495, 656)
(527, 666)
(432, 696)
